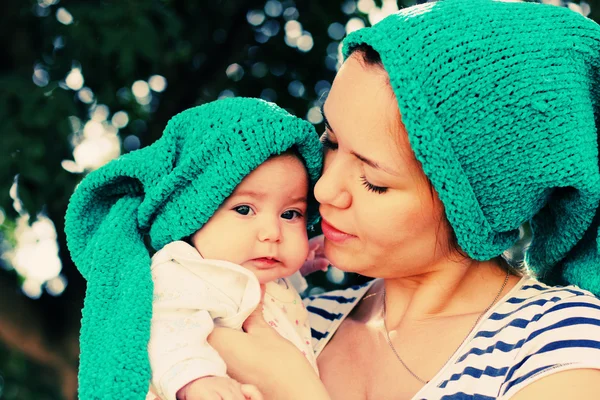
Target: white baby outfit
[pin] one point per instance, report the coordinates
(192, 295)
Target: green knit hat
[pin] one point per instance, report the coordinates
(165, 192)
(501, 104)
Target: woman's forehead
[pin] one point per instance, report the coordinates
(362, 111)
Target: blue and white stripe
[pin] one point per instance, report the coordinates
(534, 331)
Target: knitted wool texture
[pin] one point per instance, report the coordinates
(166, 192)
(501, 105)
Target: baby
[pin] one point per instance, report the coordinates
(257, 236)
(225, 198)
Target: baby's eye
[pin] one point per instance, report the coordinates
(291, 214)
(243, 210)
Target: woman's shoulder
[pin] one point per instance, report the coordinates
(535, 314)
(327, 311)
(534, 331)
(534, 300)
(543, 330)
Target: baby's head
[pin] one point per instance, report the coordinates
(250, 169)
(262, 224)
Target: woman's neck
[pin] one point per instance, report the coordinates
(457, 288)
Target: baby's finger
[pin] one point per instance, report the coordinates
(251, 392)
(315, 243)
(321, 264)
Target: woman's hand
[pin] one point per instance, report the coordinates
(261, 357)
(316, 260)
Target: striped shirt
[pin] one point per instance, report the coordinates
(533, 331)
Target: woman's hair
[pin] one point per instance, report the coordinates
(513, 260)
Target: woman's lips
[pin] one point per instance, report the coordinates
(334, 234)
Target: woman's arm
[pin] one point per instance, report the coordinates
(571, 384)
(261, 357)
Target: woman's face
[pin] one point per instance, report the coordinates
(381, 218)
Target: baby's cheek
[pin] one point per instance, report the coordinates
(299, 248)
(217, 245)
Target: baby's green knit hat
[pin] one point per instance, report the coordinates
(164, 192)
(501, 104)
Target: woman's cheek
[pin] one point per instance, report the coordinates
(394, 219)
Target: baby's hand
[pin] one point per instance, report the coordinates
(217, 388)
(316, 260)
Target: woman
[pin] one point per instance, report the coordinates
(449, 125)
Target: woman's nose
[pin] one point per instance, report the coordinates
(270, 230)
(331, 187)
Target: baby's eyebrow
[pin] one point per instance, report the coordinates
(299, 199)
(261, 195)
(250, 193)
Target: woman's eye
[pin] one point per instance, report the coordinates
(291, 214)
(242, 210)
(372, 188)
(327, 143)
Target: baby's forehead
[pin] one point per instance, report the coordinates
(283, 177)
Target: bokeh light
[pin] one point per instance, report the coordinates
(268, 94)
(335, 275)
(157, 83)
(354, 24)
(141, 91)
(120, 119)
(99, 113)
(296, 88)
(58, 43)
(305, 42)
(235, 72)
(314, 115)
(98, 148)
(140, 88)
(270, 28)
(85, 95)
(63, 16)
(35, 253)
(291, 13)
(273, 8)
(293, 29)
(322, 87)
(336, 31)
(56, 285)
(40, 76)
(226, 93)
(365, 6)
(349, 7)
(259, 70)
(255, 17)
(74, 79)
(131, 142)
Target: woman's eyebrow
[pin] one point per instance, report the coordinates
(325, 121)
(374, 164)
(362, 158)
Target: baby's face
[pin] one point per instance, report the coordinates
(262, 225)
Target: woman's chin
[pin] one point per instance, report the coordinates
(345, 259)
